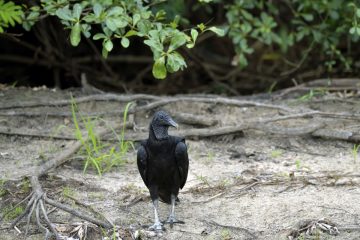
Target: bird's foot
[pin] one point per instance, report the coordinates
(172, 220)
(157, 227)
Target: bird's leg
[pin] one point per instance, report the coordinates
(158, 226)
(172, 219)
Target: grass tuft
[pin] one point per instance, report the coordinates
(276, 153)
(313, 93)
(355, 151)
(11, 213)
(3, 191)
(99, 155)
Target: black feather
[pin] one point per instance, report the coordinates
(163, 160)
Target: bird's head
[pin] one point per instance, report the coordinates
(160, 124)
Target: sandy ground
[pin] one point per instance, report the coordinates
(253, 185)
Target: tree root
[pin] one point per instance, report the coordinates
(38, 198)
(37, 204)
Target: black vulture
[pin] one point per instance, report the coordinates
(163, 165)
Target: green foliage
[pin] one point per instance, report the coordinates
(67, 191)
(284, 24)
(355, 151)
(276, 153)
(12, 212)
(10, 14)
(311, 26)
(99, 155)
(313, 93)
(116, 22)
(3, 191)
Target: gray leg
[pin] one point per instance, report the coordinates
(157, 225)
(172, 219)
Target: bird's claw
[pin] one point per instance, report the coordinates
(173, 220)
(157, 227)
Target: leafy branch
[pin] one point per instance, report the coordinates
(123, 20)
(10, 14)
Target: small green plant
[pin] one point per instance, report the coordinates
(68, 192)
(3, 191)
(99, 155)
(223, 183)
(312, 93)
(276, 153)
(298, 164)
(210, 156)
(203, 179)
(11, 212)
(225, 234)
(301, 237)
(355, 151)
(25, 185)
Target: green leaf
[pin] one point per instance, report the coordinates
(131, 33)
(159, 69)
(99, 36)
(160, 15)
(115, 11)
(85, 29)
(156, 45)
(243, 62)
(125, 42)
(194, 35)
(175, 62)
(113, 23)
(308, 17)
(108, 45)
(177, 41)
(136, 18)
(75, 35)
(104, 53)
(201, 26)
(77, 11)
(110, 23)
(64, 14)
(358, 12)
(145, 14)
(144, 26)
(218, 31)
(247, 15)
(97, 9)
(352, 30)
(90, 18)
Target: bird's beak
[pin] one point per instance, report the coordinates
(173, 123)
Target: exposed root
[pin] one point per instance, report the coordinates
(36, 205)
(38, 198)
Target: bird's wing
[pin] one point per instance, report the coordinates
(182, 161)
(142, 158)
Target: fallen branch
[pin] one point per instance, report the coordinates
(337, 134)
(326, 84)
(191, 119)
(159, 101)
(90, 98)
